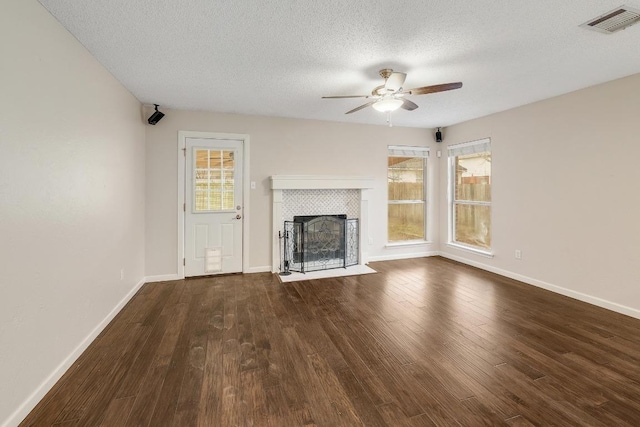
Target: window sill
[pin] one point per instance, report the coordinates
(470, 249)
(407, 243)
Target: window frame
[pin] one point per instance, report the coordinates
(409, 152)
(452, 202)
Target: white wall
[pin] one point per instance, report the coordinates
(565, 192)
(278, 146)
(71, 201)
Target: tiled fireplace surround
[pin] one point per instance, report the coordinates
(319, 195)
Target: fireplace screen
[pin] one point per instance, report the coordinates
(314, 243)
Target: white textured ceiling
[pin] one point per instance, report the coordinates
(278, 57)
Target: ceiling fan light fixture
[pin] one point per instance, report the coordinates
(389, 104)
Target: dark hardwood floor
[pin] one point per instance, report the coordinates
(424, 342)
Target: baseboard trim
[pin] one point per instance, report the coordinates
(392, 257)
(609, 305)
(169, 277)
(260, 269)
(162, 278)
(30, 402)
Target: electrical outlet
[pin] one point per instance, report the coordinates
(122, 274)
(253, 185)
(518, 254)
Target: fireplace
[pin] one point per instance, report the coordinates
(320, 242)
(298, 199)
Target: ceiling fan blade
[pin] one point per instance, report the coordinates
(409, 105)
(345, 96)
(361, 107)
(395, 81)
(433, 89)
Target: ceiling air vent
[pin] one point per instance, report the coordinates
(615, 20)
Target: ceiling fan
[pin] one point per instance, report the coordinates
(391, 95)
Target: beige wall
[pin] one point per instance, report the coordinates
(565, 192)
(278, 146)
(71, 201)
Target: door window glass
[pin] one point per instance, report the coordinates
(213, 180)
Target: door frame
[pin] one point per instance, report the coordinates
(182, 186)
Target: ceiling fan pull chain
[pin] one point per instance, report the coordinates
(389, 118)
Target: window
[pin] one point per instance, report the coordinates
(470, 195)
(407, 193)
(213, 180)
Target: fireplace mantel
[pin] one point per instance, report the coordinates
(280, 183)
(319, 182)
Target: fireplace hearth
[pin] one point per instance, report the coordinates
(320, 242)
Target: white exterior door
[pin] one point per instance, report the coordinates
(213, 207)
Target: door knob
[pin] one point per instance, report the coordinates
(238, 217)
